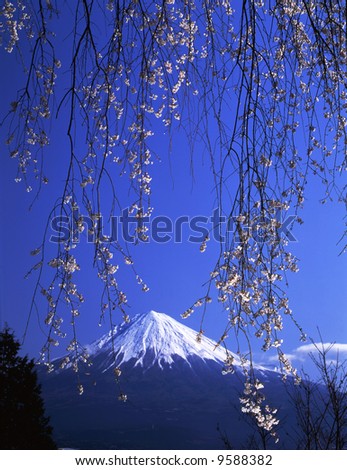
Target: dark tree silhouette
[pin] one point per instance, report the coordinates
(321, 405)
(23, 424)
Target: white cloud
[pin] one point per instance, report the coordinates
(303, 352)
(291, 357)
(336, 348)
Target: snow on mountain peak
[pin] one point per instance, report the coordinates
(156, 336)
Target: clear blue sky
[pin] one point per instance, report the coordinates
(175, 273)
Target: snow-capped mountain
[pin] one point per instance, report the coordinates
(154, 339)
(176, 393)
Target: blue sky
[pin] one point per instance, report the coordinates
(175, 272)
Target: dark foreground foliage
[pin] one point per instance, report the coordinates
(23, 424)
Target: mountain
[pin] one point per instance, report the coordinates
(155, 339)
(177, 394)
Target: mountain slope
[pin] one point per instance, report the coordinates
(157, 336)
(177, 394)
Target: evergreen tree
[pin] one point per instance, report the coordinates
(23, 424)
